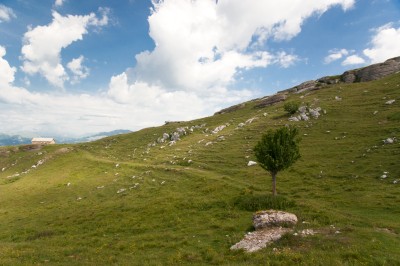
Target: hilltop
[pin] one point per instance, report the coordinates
(183, 193)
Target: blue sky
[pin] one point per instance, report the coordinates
(72, 68)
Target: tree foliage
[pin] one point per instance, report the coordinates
(291, 107)
(277, 150)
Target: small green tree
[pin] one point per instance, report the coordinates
(291, 107)
(277, 150)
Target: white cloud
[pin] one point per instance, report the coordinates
(353, 60)
(7, 72)
(6, 13)
(201, 49)
(201, 44)
(286, 60)
(385, 44)
(335, 55)
(79, 71)
(43, 44)
(59, 3)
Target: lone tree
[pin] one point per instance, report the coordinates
(277, 150)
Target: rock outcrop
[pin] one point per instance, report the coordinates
(369, 73)
(269, 100)
(231, 109)
(269, 228)
(372, 72)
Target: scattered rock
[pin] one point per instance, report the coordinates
(260, 239)
(218, 129)
(307, 232)
(121, 190)
(389, 141)
(268, 225)
(390, 102)
(337, 98)
(270, 218)
(250, 163)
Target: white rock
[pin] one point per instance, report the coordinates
(100, 187)
(270, 218)
(375, 112)
(302, 109)
(293, 119)
(260, 239)
(121, 190)
(3, 169)
(390, 101)
(337, 98)
(249, 121)
(383, 176)
(209, 143)
(218, 129)
(117, 165)
(388, 141)
(250, 163)
(68, 184)
(304, 117)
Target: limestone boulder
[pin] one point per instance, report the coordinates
(264, 219)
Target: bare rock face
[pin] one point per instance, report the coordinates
(372, 72)
(266, 101)
(271, 218)
(268, 225)
(231, 109)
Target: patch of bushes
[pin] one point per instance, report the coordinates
(262, 202)
(291, 107)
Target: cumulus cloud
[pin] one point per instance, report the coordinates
(7, 72)
(79, 71)
(335, 55)
(353, 60)
(201, 45)
(6, 13)
(385, 44)
(41, 52)
(201, 50)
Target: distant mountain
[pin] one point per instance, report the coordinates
(92, 137)
(10, 140)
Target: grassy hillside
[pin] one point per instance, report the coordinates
(124, 201)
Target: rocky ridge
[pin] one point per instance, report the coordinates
(368, 73)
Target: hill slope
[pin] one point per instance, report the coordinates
(130, 200)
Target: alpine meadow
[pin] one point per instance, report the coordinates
(185, 192)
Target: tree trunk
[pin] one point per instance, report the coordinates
(273, 184)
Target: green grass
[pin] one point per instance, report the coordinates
(191, 213)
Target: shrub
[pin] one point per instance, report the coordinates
(291, 107)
